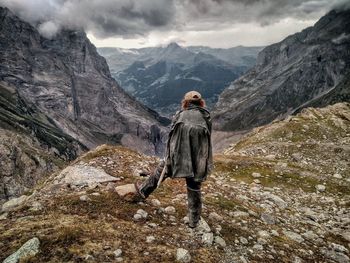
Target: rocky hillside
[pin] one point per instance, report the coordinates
(279, 195)
(31, 144)
(310, 68)
(159, 76)
(68, 81)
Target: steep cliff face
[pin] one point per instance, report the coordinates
(68, 81)
(289, 75)
(31, 145)
(341, 92)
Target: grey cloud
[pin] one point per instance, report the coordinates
(132, 18)
(103, 18)
(259, 11)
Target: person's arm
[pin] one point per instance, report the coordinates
(209, 124)
(174, 119)
(173, 123)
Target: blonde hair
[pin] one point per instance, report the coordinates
(185, 103)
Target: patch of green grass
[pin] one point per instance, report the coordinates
(109, 150)
(232, 231)
(224, 203)
(108, 203)
(294, 131)
(289, 177)
(104, 152)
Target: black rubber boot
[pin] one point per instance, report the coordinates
(146, 187)
(194, 206)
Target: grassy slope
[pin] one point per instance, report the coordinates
(70, 228)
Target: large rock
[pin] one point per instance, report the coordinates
(207, 239)
(84, 175)
(202, 227)
(220, 241)
(30, 248)
(293, 236)
(14, 202)
(182, 255)
(276, 199)
(320, 188)
(126, 189)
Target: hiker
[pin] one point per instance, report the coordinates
(188, 155)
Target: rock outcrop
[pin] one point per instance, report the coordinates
(71, 84)
(31, 144)
(310, 68)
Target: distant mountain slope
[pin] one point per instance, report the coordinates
(70, 82)
(304, 68)
(239, 56)
(340, 92)
(158, 77)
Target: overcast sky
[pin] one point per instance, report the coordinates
(142, 23)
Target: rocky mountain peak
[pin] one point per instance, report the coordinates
(173, 46)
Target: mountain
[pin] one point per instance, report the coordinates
(32, 146)
(281, 194)
(159, 76)
(240, 55)
(341, 92)
(70, 82)
(309, 68)
(57, 99)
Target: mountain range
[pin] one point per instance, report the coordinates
(309, 68)
(159, 76)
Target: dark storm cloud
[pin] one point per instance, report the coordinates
(102, 18)
(260, 11)
(131, 18)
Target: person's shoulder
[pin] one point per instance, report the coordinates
(204, 111)
(176, 116)
(177, 113)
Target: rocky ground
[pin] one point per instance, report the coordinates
(281, 194)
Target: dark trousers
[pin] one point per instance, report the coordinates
(193, 192)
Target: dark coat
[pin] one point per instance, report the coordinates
(189, 148)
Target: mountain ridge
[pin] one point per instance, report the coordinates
(287, 75)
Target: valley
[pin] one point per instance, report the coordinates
(159, 76)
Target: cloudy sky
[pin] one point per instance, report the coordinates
(142, 23)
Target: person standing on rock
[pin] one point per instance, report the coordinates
(188, 155)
